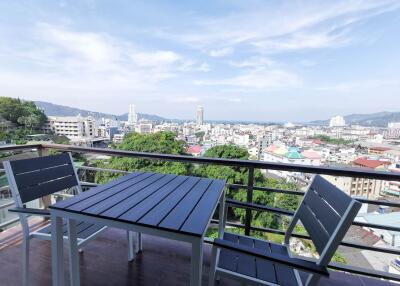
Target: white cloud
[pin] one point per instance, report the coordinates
(221, 52)
(362, 85)
(253, 62)
(88, 46)
(156, 58)
(302, 40)
(183, 99)
(263, 79)
(289, 26)
(204, 67)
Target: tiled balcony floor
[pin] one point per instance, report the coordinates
(104, 262)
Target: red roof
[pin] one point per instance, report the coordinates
(317, 141)
(372, 164)
(195, 149)
(380, 149)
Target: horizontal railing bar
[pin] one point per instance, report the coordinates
(234, 224)
(388, 250)
(6, 205)
(349, 268)
(343, 243)
(241, 186)
(257, 207)
(19, 147)
(7, 223)
(379, 202)
(4, 188)
(364, 271)
(103, 170)
(377, 226)
(265, 189)
(327, 170)
(263, 208)
(88, 184)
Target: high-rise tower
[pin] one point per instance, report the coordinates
(200, 115)
(132, 117)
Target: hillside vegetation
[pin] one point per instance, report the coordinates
(18, 119)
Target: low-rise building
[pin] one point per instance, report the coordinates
(73, 127)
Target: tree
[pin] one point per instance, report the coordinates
(227, 152)
(238, 175)
(200, 135)
(161, 142)
(20, 118)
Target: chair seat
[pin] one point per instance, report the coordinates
(83, 229)
(255, 267)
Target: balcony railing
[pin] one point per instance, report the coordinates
(248, 205)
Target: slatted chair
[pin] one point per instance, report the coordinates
(325, 212)
(30, 179)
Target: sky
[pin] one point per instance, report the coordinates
(269, 60)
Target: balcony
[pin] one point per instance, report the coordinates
(170, 260)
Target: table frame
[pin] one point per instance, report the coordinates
(57, 255)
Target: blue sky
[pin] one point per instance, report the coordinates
(241, 60)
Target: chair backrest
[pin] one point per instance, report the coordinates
(30, 179)
(326, 213)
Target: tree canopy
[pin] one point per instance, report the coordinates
(166, 142)
(236, 175)
(18, 119)
(21, 113)
(161, 142)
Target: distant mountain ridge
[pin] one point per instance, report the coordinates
(51, 109)
(378, 119)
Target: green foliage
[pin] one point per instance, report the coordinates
(22, 113)
(212, 232)
(200, 134)
(236, 175)
(333, 141)
(339, 258)
(161, 142)
(227, 152)
(18, 119)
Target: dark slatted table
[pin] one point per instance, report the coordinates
(171, 206)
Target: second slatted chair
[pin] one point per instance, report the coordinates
(325, 212)
(31, 179)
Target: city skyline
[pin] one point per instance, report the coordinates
(309, 60)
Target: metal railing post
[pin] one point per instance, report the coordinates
(250, 186)
(46, 200)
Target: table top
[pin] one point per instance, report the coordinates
(181, 204)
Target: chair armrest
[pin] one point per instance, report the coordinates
(297, 263)
(30, 211)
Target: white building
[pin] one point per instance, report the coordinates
(393, 130)
(200, 115)
(73, 127)
(337, 121)
(118, 138)
(132, 116)
(144, 128)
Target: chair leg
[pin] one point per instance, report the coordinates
(131, 246)
(213, 264)
(139, 242)
(25, 261)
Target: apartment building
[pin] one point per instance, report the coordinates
(73, 127)
(360, 187)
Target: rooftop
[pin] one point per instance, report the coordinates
(367, 163)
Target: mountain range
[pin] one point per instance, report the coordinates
(51, 109)
(379, 119)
